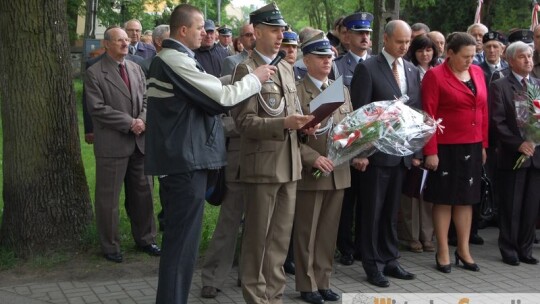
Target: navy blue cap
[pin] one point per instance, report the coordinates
(268, 14)
(290, 37)
(494, 35)
(521, 35)
(224, 31)
(318, 45)
(359, 22)
(209, 25)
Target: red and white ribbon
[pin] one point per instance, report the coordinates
(534, 17)
(478, 11)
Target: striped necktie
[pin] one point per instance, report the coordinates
(396, 72)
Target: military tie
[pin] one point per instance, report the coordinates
(132, 50)
(396, 72)
(123, 74)
(324, 86)
(360, 60)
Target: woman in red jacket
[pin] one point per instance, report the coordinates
(455, 91)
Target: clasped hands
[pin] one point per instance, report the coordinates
(137, 126)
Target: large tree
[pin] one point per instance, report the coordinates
(46, 197)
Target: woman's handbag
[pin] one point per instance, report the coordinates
(487, 209)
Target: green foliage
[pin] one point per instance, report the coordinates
(456, 15)
(73, 10)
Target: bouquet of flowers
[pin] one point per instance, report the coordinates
(527, 118)
(388, 126)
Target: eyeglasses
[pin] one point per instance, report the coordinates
(247, 35)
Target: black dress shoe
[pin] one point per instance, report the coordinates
(378, 279)
(531, 260)
(466, 265)
(312, 297)
(399, 273)
(114, 257)
(476, 240)
(346, 259)
(289, 267)
(512, 261)
(329, 295)
(151, 249)
(443, 268)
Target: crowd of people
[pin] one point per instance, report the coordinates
(195, 100)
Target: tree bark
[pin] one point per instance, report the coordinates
(384, 12)
(46, 197)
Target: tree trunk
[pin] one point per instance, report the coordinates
(46, 197)
(384, 12)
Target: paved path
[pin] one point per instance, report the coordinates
(494, 277)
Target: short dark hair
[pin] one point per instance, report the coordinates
(456, 40)
(420, 26)
(182, 15)
(421, 42)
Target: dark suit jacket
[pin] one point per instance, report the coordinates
(464, 115)
(113, 107)
(145, 50)
(488, 73)
(373, 81)
(504, 119)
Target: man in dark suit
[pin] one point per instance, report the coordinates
(134, 29)
(518, 207)
(493, 45)
(115, 92)
(358, 33)
(385, 77)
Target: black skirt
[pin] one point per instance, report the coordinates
(458, 177)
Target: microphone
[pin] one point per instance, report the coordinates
(280, 55)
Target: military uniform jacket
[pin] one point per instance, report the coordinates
(316, 146)
(269, 153)
(346, 65)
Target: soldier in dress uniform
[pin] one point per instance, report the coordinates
(271, 164)
(289, 45)
(359, 34)
(225, 39)
(319, 200)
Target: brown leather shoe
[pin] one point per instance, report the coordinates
(209, 292)
(415, 246)
(428, 246)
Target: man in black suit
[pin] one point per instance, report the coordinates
(518, 206)
(385, 77)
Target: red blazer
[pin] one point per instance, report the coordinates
(464, 116)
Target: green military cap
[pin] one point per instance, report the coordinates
(268, 14)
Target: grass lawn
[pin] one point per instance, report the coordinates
(8, 259)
